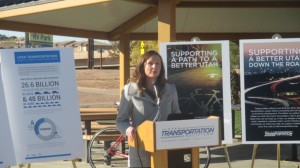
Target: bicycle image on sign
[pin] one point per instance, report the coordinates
(203, 103)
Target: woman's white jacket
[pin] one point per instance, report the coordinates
(135, 108)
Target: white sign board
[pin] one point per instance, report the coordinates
(6, 147)
(201, 72)
(42, 104)
(187, 133)
(270, 101)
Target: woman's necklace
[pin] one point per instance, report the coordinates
(151, 94)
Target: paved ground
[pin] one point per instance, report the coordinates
(240, 156)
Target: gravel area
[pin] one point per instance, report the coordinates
(98, 88)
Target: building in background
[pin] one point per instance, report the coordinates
(102, 58)
(101, 54)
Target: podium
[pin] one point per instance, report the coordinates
(176, 143)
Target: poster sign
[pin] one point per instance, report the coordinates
(270, 90)
(201, 73)
(6, 147)
(42, 104)
(37, 40)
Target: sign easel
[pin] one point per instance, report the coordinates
(29, 164)
(255, 146)
(227, 155)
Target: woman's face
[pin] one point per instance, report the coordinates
(153, 67)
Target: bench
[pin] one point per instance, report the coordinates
(107, 136)
(98, 110)
(104, 137)
(95, 119)
(96, 126)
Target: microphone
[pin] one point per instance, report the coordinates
(157, 102)
(156, 93)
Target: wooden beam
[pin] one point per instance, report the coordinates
(47, 29)
(134, 22)
(146, 2)
(215, 36)
(143, 36)
(166, 21)
(235, 36)
(28, 27)
(239, 4)
(48, 7)
(124, 60)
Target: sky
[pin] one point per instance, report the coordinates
(55, 38)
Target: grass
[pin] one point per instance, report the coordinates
(237, 120)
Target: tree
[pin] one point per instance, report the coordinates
(114, 51)
(135, 49)
(3, 37)
(234, 56)
(235, 73)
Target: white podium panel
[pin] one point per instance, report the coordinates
(187, 133)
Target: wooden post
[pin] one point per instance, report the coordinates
(166, 20)
(124, 60)
(90, 53)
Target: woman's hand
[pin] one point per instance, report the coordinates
(130, 133)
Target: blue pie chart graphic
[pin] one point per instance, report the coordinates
(45, 129)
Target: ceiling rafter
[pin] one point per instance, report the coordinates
(38, 28)
(214, 36)
(27, 27)
(146, 2)
(239, 4)
(136, 21)
(47, 7)
(151, 12)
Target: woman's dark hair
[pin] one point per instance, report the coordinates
(139, 76)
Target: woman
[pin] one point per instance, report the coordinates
(139, 102)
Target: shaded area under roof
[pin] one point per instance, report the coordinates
(207, 19)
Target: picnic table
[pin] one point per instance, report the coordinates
(89, 115)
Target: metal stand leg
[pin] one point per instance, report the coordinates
(227, 155)
(278, 155)
(254, 154)
(74, 163)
